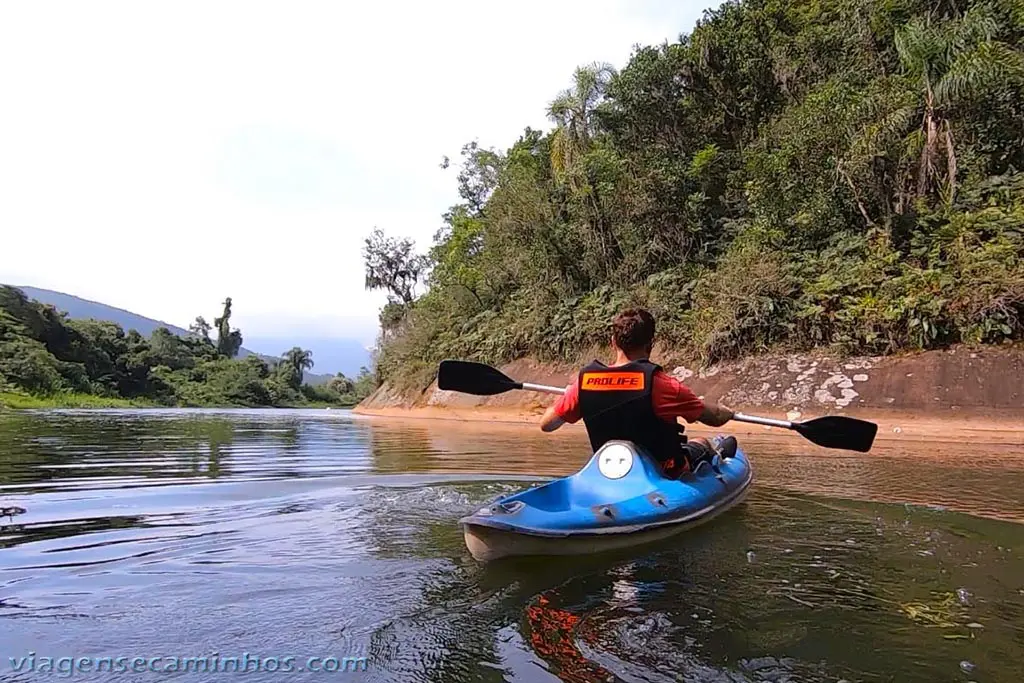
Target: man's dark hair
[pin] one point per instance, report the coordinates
(633, 329)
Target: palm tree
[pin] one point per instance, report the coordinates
(573, 112)
(297, 360)
(950, 63)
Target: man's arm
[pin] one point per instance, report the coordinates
(674, 399)
(551, 420)
(563, 411)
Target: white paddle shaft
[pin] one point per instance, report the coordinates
(544, 388)
(767, 421)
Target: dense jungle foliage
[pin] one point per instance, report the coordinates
(44, 353)
(793, 173)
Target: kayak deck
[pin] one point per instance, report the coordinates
(619, 498)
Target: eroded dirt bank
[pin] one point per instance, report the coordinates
(961, 393)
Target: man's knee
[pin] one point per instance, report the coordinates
(697, 451)
(704, 450)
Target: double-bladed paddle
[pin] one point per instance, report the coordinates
(831, 431)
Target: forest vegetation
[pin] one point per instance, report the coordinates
(48, 359)
(791, 175)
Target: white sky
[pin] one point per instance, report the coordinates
(161, 156)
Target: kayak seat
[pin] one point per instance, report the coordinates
(590, 487)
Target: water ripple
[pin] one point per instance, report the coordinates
(313, 533)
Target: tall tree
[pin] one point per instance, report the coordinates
(392, 265)
(200, 328)
(340, 384)
(229, 341)
(478, 176)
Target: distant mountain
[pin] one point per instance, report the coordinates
(330, 355)
(347, 355)
(83, 309)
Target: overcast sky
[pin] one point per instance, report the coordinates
(159, 156)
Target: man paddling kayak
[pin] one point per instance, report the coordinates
(635, 400)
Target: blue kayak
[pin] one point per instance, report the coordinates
(620, 498)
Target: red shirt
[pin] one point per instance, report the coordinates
(671, 399)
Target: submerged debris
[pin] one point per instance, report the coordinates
(944, 614)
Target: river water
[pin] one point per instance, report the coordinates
(139, 541)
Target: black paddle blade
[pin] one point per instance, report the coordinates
(474, 378)
(836, 431)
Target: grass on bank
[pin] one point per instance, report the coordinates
(21, 401)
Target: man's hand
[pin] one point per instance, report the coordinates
(715, 415)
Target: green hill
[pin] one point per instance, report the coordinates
(78, 308)
(49, 358)
(83, 309)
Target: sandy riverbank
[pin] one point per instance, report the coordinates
(892, 426)
(973, 394)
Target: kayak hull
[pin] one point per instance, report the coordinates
(619, 499)
(487, 544)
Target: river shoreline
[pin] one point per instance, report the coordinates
(1002, 428)
(974, 394)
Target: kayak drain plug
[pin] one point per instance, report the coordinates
(656, 498)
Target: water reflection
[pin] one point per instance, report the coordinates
(121, 449)
(416, 446)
